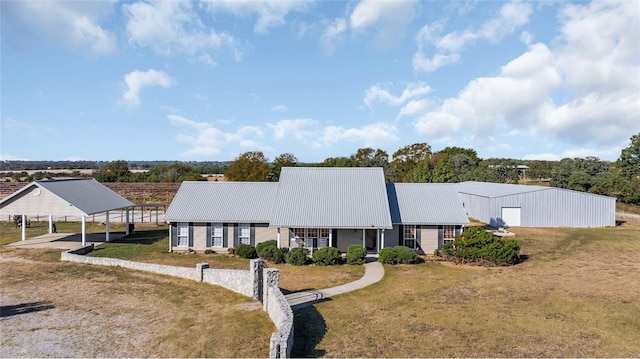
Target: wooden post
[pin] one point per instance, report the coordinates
(50, 223)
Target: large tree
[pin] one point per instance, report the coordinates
(249, 166)
(454, 164)
(116, 171)
(283, 160)
(407, 158)
(629, 161)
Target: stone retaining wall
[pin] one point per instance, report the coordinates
(259, 283)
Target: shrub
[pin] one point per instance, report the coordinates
(387, 256)
(246, 251)
(272, 254)
(327, 256)
(475, 245)
(356, 254)
(405, 255)
(260, 247)
(398, 255)
(297, 256)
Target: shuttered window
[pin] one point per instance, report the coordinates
(244, 236)
(183, 234)
(410, 236)
(216, 235)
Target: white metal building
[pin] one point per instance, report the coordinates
(510, 205)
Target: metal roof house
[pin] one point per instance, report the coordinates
(501, 205)
(314, 208)
(69, 197)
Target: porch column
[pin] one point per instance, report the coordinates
(382, 239)
(84, 230)
(377, 240)
(126, 231)
(106, 235)
(330, 237)
(170, 239)
(50, 224)
(364, 244)
(278, 237)
(24, 227)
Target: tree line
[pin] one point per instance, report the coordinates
(415, 163)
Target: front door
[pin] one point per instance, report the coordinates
(371, 239)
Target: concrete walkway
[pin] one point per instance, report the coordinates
(373, 273)
(64, 240)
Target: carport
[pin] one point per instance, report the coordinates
(76, 197)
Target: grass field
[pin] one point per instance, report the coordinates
(575, 296)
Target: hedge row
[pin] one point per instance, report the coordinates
(300, 256)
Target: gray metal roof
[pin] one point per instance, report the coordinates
(331, 198)
(425, 203)
(237, 202)
(491, 190)
(86, 194)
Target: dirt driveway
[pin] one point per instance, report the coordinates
(64, 240)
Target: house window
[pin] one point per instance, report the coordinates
(410, 236)
(244, 234)
(298, 233)
(449, 234)
(183, 234)
(310, 239)
(323, 237)
(216, 235)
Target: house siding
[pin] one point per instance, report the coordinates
(199, 236)
(347, 237)
(430, 239)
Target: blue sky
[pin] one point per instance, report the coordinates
(208, 80)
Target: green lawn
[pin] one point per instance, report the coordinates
(575, 296)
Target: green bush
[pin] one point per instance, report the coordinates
(327, 256)
(475, 245)
(398, 255)
(246, 251)
(297, 256)
(405, 255)
(356, 254)
(272, 254)
(387, 256)
(262, 245)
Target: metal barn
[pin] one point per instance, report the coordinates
(510, 205)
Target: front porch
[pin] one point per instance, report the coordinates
(317, 238)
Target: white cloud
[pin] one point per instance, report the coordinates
(414, 107)
(574, 92)
(611, 152)
(447, 48)
(204, 139)
(280, 108)
(377, 94)
(270, 13)
(389, 17)
(332, 33)
(370, 135)
(73, 24)
(174, 28)
(299, 128)
(137, 80)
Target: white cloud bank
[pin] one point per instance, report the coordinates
(137, 80)
(580, 89)
(75, 25)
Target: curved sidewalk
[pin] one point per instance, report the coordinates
(373, 273)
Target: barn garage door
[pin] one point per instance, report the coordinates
(511, 216)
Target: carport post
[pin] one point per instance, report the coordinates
(127, 223)
(278, 237)
(24, 227)
(84, 230)
(364, 243)
(106, 235)
(50, 223)
(381, 239)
